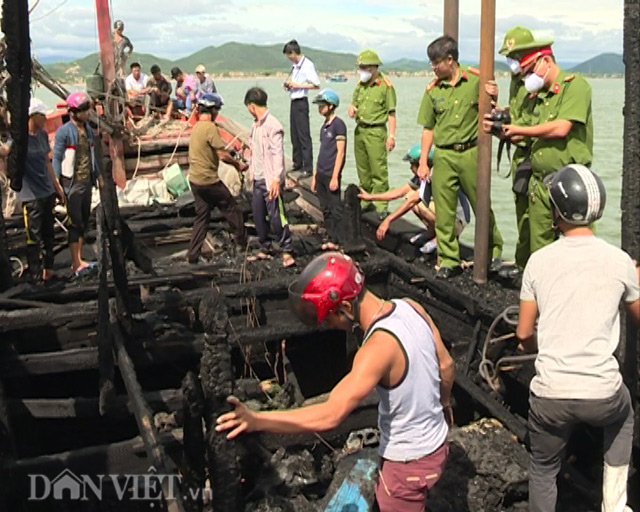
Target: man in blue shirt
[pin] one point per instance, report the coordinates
(326, 179)
(303, 76)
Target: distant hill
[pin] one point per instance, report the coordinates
(603, 64)
(250, 58)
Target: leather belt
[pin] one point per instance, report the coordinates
(460, 146)
(365, 125)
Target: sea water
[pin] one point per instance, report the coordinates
(608, 101)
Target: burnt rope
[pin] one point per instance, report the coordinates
(490, 370)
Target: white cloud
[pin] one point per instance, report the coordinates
(175, 29)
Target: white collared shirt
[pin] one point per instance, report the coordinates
(131, 83)
(303, 72)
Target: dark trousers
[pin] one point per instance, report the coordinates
(78, 208)
(301, 135)
(550, 424)
(331, 205)
(38, 224)
(269, 215)
(208, 197)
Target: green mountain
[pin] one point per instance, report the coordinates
(603, 64)
(251, 58)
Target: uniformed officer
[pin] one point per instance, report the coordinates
(518, 41)
(449, 117)
(562, 133)
(373, 104)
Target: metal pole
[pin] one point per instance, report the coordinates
(630, 202)
(451, 17)
(483, 188)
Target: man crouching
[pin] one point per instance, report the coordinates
(402, 356)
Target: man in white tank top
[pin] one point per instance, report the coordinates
(402, 356)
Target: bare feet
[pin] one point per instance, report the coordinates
(287, 260)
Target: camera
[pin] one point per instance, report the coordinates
(499, 118)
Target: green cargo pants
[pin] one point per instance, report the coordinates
(452, 170)
(370, 151)
(523, 244)
(540, 218)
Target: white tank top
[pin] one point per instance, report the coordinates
(410, 415)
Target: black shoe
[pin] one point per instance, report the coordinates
(495, 266)
(510, 273)
(307, 173)
(449, 272)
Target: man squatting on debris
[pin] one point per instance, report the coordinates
(402, 356)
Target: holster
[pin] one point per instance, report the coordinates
(521, 178)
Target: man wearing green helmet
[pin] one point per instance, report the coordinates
(521, 110)
(449, 117)
(560, 129)
(373, 105)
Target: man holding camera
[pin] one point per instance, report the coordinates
(560, 128)
(520, 111)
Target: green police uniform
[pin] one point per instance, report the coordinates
(516, 41)
(521, 108)
(373, 101)
(452, 113)
(569, 97)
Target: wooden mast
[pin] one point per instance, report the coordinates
(451, 16)
(483, 202)
(107, 60)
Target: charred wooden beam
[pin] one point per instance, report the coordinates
(350, 228)
(216, 375)
(144, 416)
(105, 339)
(630, 201)
(123, 457)
(193, 460)
(84, 408)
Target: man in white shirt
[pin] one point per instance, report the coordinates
(577, 284)
(303, 76)
(136, 83)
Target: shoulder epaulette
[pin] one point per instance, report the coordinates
(387, 82)
(568, 78)
(474, 71)
(432, 84)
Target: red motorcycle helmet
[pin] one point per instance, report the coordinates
(328, 280)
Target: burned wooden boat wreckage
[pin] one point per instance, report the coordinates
(110, 385)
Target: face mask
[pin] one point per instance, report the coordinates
(534, 82)
(514, 65)
(365, 76)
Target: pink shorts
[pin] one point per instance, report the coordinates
(403, 486)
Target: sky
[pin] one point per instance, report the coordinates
(64, 29)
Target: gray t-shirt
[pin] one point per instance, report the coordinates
(36, 183)
(578, 283)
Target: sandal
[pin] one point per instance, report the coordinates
(287, 260)
(259, 256)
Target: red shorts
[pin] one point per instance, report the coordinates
(403, 486)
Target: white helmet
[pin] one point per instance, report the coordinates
(36, 106)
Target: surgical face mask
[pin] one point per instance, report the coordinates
(534, 82)
(514, 65)
(365, 76)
